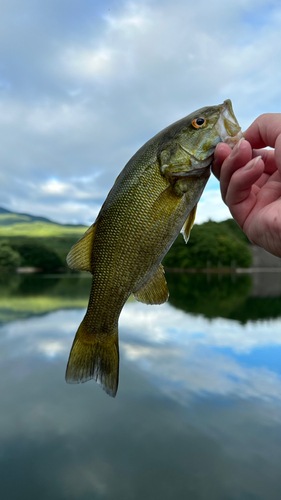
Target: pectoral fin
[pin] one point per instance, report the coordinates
(79, 257)
(188, 224)
(155, 291)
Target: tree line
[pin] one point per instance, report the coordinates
(28, 254)
(211, 245)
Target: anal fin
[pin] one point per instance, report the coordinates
(154, 291)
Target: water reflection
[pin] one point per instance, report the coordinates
(197, 415)
(239, 297)
(22, 296)
(186, 355)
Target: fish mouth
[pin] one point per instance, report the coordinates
(199, 167)
(199, 172)
(227, 125)
(196, 173)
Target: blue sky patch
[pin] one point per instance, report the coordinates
(262, 357)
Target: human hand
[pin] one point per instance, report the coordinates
(250, 181)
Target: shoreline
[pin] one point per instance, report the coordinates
(223, 270)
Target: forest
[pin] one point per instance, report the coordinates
(34, 242)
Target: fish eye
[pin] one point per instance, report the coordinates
(199, 122)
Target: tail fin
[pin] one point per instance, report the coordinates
(94, 357)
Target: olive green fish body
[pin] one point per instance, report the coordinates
(152, 200)
(137, 243)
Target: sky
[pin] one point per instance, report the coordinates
(85, 83)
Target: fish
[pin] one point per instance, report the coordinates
(153, 199)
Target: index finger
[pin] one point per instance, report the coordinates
(264, 131)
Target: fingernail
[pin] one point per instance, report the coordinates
(236, 148)
(251, 165)
(240, 142)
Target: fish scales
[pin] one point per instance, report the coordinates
(152, 200)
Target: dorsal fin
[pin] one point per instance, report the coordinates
(188, 224)
(79, 256)
(155, 291)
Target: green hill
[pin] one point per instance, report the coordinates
(211, 245)
(18, 224)
(7, 217)
(18, 228)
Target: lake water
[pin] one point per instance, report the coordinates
(198, 410)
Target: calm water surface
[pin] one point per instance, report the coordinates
(198, 411)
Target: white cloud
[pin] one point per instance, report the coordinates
(212, 207)
(81, 189)
(87, 63)
(164, 323)
(56, 118)
(134, 19)
(183, 372)
(110, 55)
(53, 186)
(87, 99)
(179, 352)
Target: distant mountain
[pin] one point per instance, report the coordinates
(7, 217)
(22, 226)
(4, 211)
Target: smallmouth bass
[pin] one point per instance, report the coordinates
(154, 198)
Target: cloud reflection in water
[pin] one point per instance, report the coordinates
(182, 354)
(189, 421)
